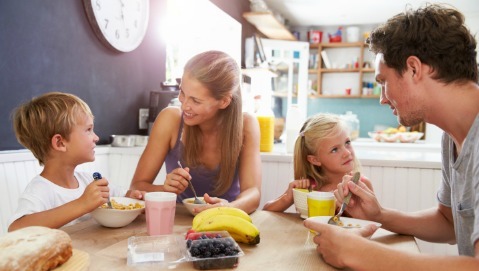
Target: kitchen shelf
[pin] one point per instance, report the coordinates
(345, 96)
(267, 24)
(319, 73)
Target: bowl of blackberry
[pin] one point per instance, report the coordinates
(213, 250)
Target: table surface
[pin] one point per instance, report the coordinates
(285, 243)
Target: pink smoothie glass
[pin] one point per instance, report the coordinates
(160, 212)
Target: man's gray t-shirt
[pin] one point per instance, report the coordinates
(460, 188)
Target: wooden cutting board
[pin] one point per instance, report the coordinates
(80, 260)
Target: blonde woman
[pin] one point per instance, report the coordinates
(217, 144)
(323, 155)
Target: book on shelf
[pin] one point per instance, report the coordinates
(313, 61)
(325, 58)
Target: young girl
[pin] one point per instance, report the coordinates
(323, 154)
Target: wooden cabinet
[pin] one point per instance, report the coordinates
(337, 67)
(268, 25)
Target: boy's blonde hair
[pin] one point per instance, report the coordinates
(37, 121)
(315, 129)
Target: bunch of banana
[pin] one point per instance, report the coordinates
(236, 221)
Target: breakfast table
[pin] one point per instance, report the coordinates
(285, 243)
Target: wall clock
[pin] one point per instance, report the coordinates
(119, 24)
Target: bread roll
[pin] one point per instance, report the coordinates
(34, 248)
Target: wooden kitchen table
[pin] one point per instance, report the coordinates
(285, 243)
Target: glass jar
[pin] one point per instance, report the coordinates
(353, 123)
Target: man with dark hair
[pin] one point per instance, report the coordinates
(426, 65)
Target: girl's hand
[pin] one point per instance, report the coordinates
(177, 180)
(302, 184)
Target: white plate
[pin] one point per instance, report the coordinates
(348, 222)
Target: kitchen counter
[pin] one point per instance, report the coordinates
(107, 247)
(372, 153)
(368, 151)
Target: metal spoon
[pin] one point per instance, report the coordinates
(97, 176)
(197, 200)
(335, 219)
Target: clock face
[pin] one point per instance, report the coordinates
(120, 24)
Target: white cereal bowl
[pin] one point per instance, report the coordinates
(410, 137)
(300, 197)
(348, 222)
(190, 205)
(116, 218)
(384, 137)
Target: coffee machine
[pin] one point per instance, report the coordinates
(161, 99)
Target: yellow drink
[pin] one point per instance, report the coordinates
(321, 204)
(266, 127)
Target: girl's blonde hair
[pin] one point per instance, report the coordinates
(220, 74)
(315, 129)
(37, 121)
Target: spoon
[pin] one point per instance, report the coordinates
(97, 176)
(335, 219)
(197, 200)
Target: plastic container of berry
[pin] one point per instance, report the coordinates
(213, 250)
(205, 250)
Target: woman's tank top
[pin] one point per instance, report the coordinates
(202, 178)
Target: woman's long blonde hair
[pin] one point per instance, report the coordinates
(220, 74)
(315, 129)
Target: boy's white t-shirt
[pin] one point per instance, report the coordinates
(41, 195)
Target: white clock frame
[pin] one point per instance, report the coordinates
(119, 24)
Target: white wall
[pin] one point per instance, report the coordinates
(473, 23)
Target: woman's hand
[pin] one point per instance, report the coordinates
(135, 194)
(211, 202)
(177, 180)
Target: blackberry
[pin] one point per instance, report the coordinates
(195, 252)
(221, 246)
(211, 247)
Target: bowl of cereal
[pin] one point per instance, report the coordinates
(346, 222)
(124, 211)
(191, 206)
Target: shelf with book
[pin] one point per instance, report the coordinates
(339, 70)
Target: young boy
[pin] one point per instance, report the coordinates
(58, 129)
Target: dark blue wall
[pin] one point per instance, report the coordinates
(49, 45)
